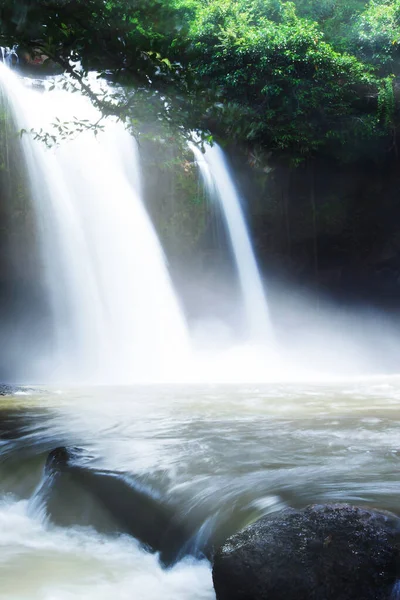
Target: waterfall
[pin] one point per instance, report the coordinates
(8, 55)
(219, 185)
(115, 316)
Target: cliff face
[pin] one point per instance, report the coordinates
(333, 226)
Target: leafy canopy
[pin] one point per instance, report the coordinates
(294, 77)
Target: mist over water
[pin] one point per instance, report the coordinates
(115, 316)
(291, 335)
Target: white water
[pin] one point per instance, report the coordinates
(224, 455)
(65, 564)
(116, 317)
(8, 55)
(220, 186)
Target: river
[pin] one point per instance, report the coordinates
(217, 456)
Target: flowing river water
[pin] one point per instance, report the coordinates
(216, 456)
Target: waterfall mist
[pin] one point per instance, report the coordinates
(220, 186)
(115, 316)
(103, 308)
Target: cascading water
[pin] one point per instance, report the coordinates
(8, 55)
(115, 314)
(220, 186)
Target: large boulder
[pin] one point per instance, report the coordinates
(324, 552)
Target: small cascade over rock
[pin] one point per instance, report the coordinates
(9, 56)
(220, 186)
(74, 494)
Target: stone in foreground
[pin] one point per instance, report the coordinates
(324, 552)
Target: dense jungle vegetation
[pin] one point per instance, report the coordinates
(292, 78)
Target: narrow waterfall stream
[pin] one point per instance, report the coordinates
(115, 313)
(220, 186)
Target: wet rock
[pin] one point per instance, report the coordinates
(10, 390)
(7, 389)
(57, 458)
(110, 502)
(324, 552)
(60, 458)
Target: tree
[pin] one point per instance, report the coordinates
(377, 35)
(263, 72)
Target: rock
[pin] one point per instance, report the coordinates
(324, 552)
(110, 502)
(7, 390)
(60, 458)
(10, 390)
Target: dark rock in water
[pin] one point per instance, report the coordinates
(61, 457)
(57, 458)
(324, 552)
(110, 502)
(7, 389)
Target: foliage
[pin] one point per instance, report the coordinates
(175, 198)
(386, 103)
(298, 78)
(377, 32)
(335, 18)
(276, 81)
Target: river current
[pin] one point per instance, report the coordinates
(218, 456)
